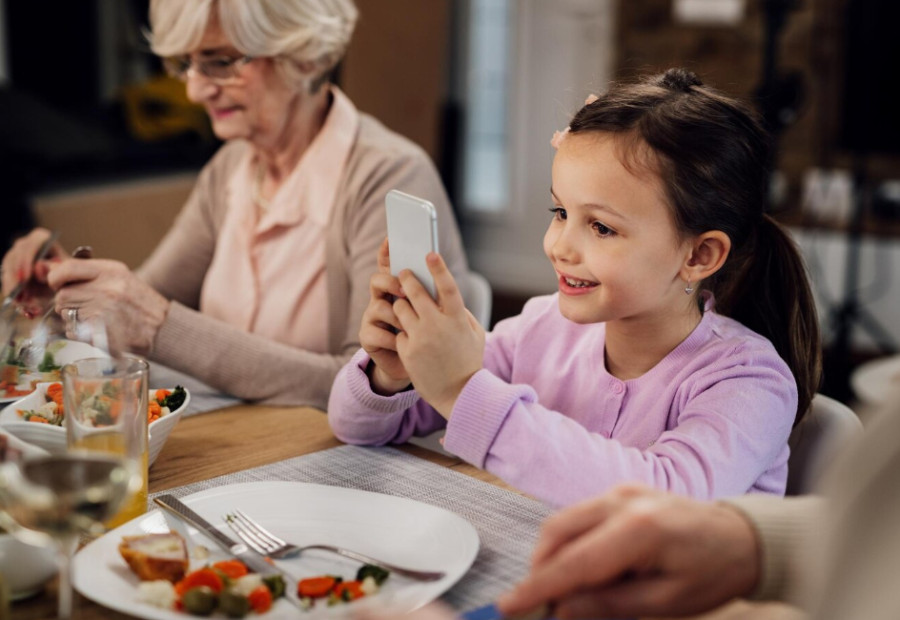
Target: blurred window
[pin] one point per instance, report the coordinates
(485, 97)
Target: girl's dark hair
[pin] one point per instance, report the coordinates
(714, 159)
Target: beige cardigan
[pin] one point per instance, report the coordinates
(254, 368)
(838, 555)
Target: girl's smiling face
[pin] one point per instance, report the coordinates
(612, 239)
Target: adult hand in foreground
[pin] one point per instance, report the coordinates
(639, 552)
(434, 611)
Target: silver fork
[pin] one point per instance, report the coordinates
(266, 543)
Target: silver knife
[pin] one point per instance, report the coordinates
(254, 561)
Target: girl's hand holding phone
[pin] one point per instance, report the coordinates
(441, 344)
(377, 335)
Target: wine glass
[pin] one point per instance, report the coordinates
(52, 500)
(100, 481)
(29, 345)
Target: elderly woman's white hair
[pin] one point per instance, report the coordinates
(306, 37)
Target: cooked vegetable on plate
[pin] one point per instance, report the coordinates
(227, 587)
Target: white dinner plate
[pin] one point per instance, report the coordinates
(394, 529)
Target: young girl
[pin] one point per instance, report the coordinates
(682, 344)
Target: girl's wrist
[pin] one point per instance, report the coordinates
(447, 402)
(381, 383)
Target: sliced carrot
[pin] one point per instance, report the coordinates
(55, 393)
(316, 587)
(260, 599)
(154, 411)
(201, 577)
(161, 395)
(231, 568)
(38, 419)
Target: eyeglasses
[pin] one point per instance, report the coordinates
(216, 68)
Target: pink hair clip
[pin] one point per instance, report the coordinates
(559, 136)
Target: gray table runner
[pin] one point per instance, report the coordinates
(507, 523)
(203, 397)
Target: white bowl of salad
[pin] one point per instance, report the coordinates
(39, 419)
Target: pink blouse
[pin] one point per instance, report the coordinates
(267, 275)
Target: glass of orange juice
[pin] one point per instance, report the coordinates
(105, 401)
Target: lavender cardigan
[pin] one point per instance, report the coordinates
(710, 420)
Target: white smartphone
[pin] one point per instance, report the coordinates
(412, 234)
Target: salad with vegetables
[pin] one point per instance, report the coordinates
(334, 590)
(101, 407)
(228, 587)
(164, 402)
(17, 379)
(51, 412)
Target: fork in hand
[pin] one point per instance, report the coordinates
(263, 541)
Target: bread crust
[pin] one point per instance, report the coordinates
(156, 556)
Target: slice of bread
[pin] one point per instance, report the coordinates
(156, 556)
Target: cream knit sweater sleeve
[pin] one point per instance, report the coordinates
(787, 528)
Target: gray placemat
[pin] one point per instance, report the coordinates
(203, 397)
(507, 523)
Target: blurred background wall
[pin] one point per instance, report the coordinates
(95, 140)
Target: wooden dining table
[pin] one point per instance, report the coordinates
(222, 442)
(241, 437)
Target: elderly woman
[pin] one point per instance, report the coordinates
(260, 286)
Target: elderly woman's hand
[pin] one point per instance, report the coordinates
(19, 266)
(106, 290)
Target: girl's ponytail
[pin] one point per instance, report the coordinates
(767, 289)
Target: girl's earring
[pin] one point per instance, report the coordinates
(688, 289)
